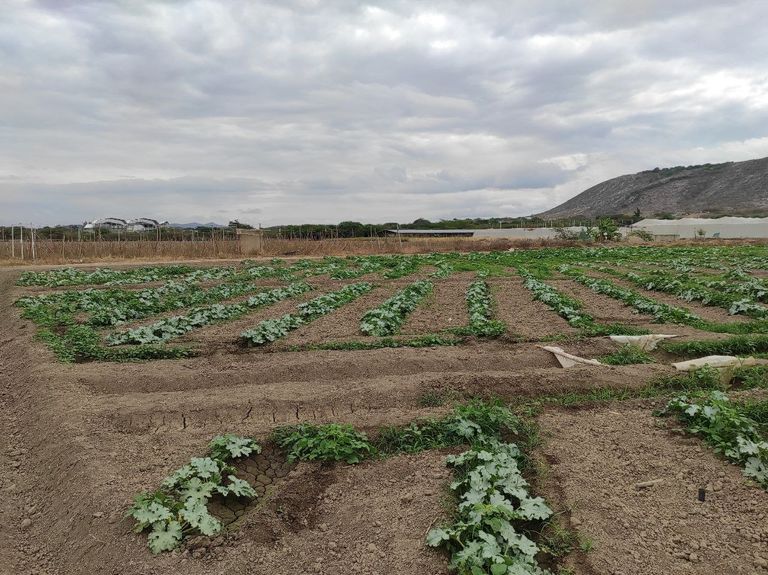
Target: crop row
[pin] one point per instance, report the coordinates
(388, 317)
(493, 496)
(480, 307)
(169, 328)
(688, 289)
(73, 276)
(274, 329)
(567, 308)
(661, 312)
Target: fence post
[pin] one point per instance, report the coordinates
(13, 243)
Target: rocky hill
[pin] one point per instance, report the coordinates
(736, 188)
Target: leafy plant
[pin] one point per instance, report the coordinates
(331, 442)
(567, 308)
(72, 276)
(725, 426)
(179, 507)
(480, 306)
(736, 345)
(493, 496)
(661, 312)
(476, 421)
(172, 327)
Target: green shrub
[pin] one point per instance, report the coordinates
(330, 442)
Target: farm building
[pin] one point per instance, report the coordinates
(142, 225)
(685, 228)
(108, 223)
(432, 233)
(492, 233)
(727, 227)
(134, 225)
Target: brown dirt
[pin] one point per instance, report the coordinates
(343, 323)
(601, 307)
(444, 308)
(597, 456)
(524, 316)
(78, 441)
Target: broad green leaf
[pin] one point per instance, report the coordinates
(197, 490)
(164, 536)
(240, 487)
(437, 536)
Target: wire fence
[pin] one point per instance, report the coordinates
(63, 251)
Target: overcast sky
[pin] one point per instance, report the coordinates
(291, 111)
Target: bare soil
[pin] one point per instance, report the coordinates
(524, 316)
(444, 308)
(598, 456)
(343, 323)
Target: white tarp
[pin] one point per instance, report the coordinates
(643, 342)
(566, 359)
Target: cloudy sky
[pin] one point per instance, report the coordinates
(289, 111)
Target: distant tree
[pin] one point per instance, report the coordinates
(236, 224)
(422, 222)
(637, 216)
(607, 229)
(351, 229)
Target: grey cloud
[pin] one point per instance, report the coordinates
(298, 110)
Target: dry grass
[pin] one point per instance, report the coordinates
(58, 252)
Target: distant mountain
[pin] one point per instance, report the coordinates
(735, 188)
(196, 225)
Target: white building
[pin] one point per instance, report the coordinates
(108, 223)
(142, 225)
(726, 227)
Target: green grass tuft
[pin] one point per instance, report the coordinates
(627, 355)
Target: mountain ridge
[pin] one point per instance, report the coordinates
(732, 188)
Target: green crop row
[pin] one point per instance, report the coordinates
(172, 327)
(388, 317)
(273, 329)
(480, 307)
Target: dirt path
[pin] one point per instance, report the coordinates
(524, 316)
(444, 308)
(597, 456)
(344, 323)
(603, 308)
(16, 556)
